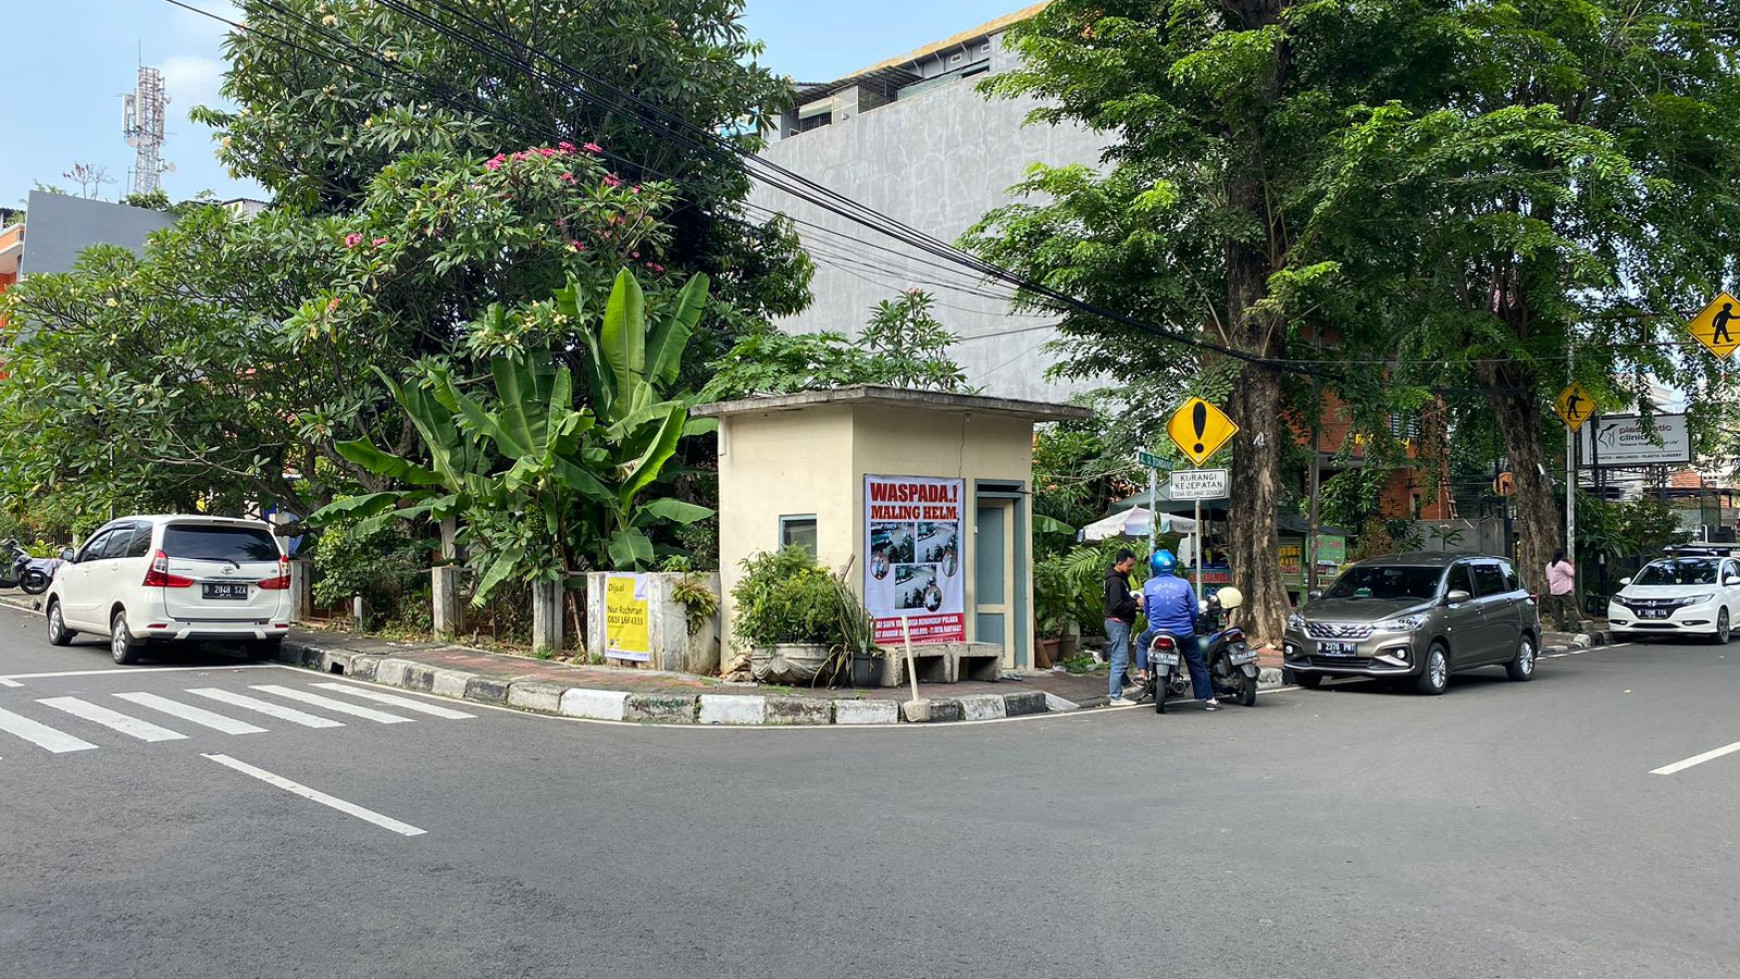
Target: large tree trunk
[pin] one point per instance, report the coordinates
(1256, 492)
(1510, 390)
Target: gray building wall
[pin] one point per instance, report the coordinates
(61, 226)
(936, 161)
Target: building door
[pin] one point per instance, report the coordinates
(994, 591)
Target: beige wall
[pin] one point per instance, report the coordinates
(814, 460)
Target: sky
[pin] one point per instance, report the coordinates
(69, 62)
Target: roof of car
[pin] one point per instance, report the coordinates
(202, 517)
(1424, 559)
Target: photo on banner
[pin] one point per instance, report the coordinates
(914, 526)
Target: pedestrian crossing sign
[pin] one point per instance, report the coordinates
(1575, 404)
(1718, 326)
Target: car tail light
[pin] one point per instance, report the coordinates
(280, 583)
(159, 576)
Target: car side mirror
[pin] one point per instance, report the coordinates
(68, 555)
(1625, 581)
(1314, 594)
(1457, 596)
(1731, 581)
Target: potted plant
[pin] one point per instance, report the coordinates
(1052, 601)
(788, 616)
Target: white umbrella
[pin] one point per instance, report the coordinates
(1133, 523)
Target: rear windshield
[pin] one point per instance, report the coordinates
(219, 543)
(1387, 583)
(1686, 571)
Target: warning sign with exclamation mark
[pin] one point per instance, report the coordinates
(1200, 429)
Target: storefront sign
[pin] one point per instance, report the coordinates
(626, 615)
(1331, 551)
(1292, 558)
(1619, 440)
(915, 528)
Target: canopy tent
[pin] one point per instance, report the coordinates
(1133, 522)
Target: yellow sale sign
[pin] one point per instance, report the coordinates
(626, 615)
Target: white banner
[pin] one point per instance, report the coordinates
(1199, 484)
(914, 536)
(1620, 440)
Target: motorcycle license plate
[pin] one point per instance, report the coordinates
(1240, 655)
(1165, 659)
(227, 592)
(1337, 648)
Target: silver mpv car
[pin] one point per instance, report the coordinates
(1419, 617)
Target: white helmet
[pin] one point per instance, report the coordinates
(1230, 598)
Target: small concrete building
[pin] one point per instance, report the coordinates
(925, 495)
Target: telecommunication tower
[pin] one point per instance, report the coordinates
(142, 114)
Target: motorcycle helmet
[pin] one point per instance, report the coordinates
(1230, 598)
(1162, 562)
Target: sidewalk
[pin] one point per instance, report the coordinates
(615, 694)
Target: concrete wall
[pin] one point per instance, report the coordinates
(62, 226)
(936, 161)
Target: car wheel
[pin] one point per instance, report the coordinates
(1523, 666)
(58, 633)
(1310, 681)
(1434, 676)
(122, 646)
(1723, 629)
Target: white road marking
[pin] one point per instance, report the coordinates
(336, 706)
(188, 712)
(404, 702)
(266, 707)
(41, 734)
(1680, 766)
(139, 671)
(348, 808)
(97, 714)
(6, 681)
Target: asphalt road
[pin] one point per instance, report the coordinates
(1501, 830)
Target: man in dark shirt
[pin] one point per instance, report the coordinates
(1121, 610)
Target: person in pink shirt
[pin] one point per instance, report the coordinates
(1561, 588)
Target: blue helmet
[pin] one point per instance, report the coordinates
(1162, 562)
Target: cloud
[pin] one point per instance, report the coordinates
(191, 80)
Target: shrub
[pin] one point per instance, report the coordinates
(786, 598)
(386, 566)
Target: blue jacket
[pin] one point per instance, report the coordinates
(1170, 604)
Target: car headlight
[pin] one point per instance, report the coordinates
(1696, 599)
(1404, 623)
(1296, 622)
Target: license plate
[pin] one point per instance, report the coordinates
(1239, 655)
(1337, 649)
(224, 591)
(1654, 613)
(1165, 659)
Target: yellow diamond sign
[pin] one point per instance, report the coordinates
(1718, 326)
(1575, 405)
(1200, 429)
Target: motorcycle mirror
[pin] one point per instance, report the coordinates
(1457, 597)
(67, 555)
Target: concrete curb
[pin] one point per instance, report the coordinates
(720, 709)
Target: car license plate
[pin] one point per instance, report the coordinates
(1165, 659)
(1654, 613)
(1337, 648)
(225, 591)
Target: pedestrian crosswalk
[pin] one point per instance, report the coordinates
(169, 718)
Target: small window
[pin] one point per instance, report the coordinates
(1460, 580)
(219, 543)
(93, 549)
(798, 532)
(1512, 583)
(1490, 580)
(141, 543)
(120, 539)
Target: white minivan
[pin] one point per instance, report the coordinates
(156, 578)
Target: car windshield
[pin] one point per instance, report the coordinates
(219, 543)
(1682, 571)
(1387, 583)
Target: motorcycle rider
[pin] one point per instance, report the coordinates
(1171, 606)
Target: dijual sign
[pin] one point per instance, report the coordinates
(626, 614)
(914, 526)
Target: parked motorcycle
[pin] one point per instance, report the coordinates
(1232, 663)
(19, 570)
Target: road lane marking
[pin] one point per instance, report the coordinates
(188, 712)
(348, 808)
(327, 703)
(41, 734)
(146, 670)
(98, 714)
(266, 707)
(6, 681)
(1680, 766)
(404, 702)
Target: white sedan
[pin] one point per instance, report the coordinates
(1683, 595)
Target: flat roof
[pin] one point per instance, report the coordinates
(889, 397)
(919, 54)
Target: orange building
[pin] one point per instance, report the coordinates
(11, 252)
(1410, 492)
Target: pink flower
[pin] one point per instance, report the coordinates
(576, 246)
(333, 305)
(494, 163)
(612, 180)
(616, 219)
(546, 152)
(567, 178)
(565, 147)
(353, 239)
(378, 242)
(593, 148)
(656, 267)
(635, 189)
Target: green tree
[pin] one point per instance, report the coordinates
(1224, 120)
(1570, 196)
(317, 119)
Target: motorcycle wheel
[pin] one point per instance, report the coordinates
(1248, 696)
(1159, 683)
(34, 582)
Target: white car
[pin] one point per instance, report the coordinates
(157, 578)
(1686, 594)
